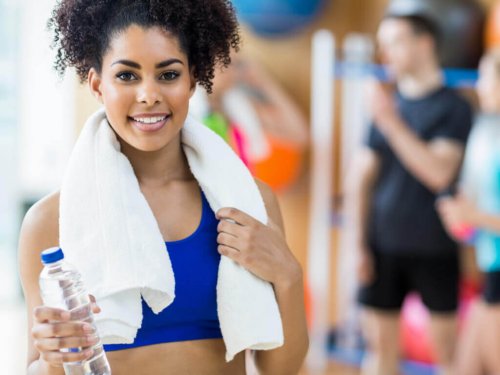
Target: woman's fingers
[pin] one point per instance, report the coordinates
(55, 336)
(57, 343)
(57, 357)
(48, 330)
(228, 240)
(45, 314)
(230, 253)
(239, 217)
(230, 227)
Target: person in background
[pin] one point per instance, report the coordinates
(413, 152)
(258, 118)
(473, 215)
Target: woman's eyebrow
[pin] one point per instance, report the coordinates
(129, 63)
(135, 65)
(168, 62)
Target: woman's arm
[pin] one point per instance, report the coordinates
(263, 251)
(488, 222)
(278, 112)
(290, 296)
(39, 231)
(460, 210)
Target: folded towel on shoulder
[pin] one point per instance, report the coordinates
(108, 231)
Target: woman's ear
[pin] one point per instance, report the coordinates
(193, 82)
(95, 84)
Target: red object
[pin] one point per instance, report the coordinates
(279, 169)
(415, 331)
(463, 232)
(415, 323)
(237, 141)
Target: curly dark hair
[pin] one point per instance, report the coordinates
(83, 29)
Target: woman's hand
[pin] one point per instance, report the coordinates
(53, 330)
(259, 248)
(457, 210)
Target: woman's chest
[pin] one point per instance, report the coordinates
(177, 211)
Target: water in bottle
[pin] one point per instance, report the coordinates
(61, 287)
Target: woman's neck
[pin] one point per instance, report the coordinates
(158, 168)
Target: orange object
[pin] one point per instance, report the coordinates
(492, 29)
(282, 167)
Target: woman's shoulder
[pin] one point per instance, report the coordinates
(271, 203)
(40, 227)
(39, 231)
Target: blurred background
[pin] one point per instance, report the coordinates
(40, 117)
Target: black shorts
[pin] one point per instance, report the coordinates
(434, 277)
(491, 291)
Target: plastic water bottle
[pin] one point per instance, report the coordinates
(61, 287)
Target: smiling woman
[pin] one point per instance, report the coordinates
(135, 76)
(146, 158)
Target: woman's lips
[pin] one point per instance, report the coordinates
(149, 127)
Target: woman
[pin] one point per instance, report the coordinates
(474, 215)
(142, 60)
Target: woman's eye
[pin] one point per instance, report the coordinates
(169, 76)
(126, 76)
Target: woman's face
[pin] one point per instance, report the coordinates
(145, 85)
(488, 87)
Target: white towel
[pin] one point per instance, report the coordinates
(108, 231)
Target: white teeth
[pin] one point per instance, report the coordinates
(149, 120)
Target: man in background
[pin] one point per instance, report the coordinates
(413, 153)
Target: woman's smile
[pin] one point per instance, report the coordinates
(145, 85)
(149, 122)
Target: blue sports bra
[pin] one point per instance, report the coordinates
(193, 313)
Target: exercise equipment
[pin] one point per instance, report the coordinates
(272, 18)
(281, 167)
(415, 323)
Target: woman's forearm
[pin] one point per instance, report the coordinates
(288, 359)
(486, 221)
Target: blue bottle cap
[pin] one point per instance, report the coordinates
(52, 255)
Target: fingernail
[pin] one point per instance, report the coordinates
(88, 328)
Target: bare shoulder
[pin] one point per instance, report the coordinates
(41, 222)
(39, 231)
(272, 204)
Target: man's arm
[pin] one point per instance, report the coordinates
(434, 163)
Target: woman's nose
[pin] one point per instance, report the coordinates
(149, 93)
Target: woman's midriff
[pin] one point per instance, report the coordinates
(200, 357)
